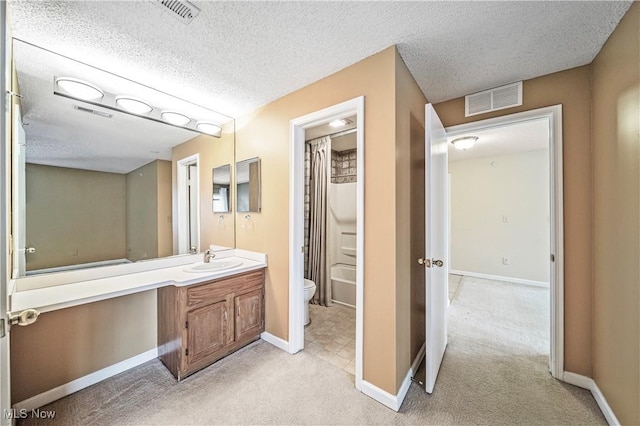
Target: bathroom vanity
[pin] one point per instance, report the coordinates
(201, 323)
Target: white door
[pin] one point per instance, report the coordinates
(5, 399)
(19, 195)
(436, 245)
(194, 244)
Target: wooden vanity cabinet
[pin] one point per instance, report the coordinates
(201, 323)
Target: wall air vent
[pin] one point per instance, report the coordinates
(92, 111)
(182, 10)
(495, 99)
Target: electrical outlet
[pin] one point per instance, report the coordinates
(506, 261)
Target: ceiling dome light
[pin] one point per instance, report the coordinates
(338, 123)
(133, 105)
(465, 142)
(175, 118)
(208, 128)
(79, 89)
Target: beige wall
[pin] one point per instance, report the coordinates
(616, 184)
(213, 152)
(265, 134)
(149, 227)
(74, 216)
(410, 219)
(572, 89)
(164, 213)
(70, 343)
(484, 191)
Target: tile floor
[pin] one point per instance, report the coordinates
(331, 335)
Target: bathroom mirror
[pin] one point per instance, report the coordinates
(102, 186)
(222, 189)
(248, 185)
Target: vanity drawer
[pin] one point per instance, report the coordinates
(218, 289)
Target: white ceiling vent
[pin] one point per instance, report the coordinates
(92, 111)
(182, 10)
(501, 97)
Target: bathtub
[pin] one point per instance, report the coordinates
(343, 284)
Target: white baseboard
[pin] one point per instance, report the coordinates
(589, 384)
(85, 381)
(275, 341)
(500, 278)
(394, 401)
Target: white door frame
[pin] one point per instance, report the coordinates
(554, 116)
(183, 202)
(296, 222)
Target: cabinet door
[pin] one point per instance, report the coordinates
(207, 332)
(249, 319)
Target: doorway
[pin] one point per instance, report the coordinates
(550, 120)
(352, 108)
(188, 199)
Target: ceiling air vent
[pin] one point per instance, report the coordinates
(180, 9)
(93, 111)
(501, 97)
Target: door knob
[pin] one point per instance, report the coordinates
(438, 263)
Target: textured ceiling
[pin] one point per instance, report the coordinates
(236, 56)
(521, 137)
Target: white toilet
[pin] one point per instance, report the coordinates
(309, 291)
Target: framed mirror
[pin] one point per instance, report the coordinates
(222, 189)
(100, 184)
(248, 185)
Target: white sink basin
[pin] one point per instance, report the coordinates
(213, 265)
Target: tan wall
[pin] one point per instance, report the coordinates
(410, 219)
(149, 225)
(142, 216)
(70, 343)
(164, 214)
(74, 216)
(265, 134)
(213, 152)
(616, 182)
(572, 89)
(483, 190)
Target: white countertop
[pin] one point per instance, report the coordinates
(61, 295)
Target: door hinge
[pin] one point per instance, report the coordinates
(553, 257)
(186, 324)
(186, 352)
(2, 330)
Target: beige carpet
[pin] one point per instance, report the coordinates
(494, 372)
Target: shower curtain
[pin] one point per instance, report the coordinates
(317, 268)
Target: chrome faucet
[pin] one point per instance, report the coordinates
(208, 255)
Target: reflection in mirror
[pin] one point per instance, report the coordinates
(222, 189)
(100, 183)
(248, 185)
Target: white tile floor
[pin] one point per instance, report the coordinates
(331, 335)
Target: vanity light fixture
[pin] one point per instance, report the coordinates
(79, 89)
(464, 143)
(175, 118)
(208, 128)
(133, 105)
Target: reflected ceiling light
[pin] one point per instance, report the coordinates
(208, 128)
(79, 89)
(464, 142)
(338, 123)
(133, 105)
(175, 118)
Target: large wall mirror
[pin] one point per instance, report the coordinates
(98, 173)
